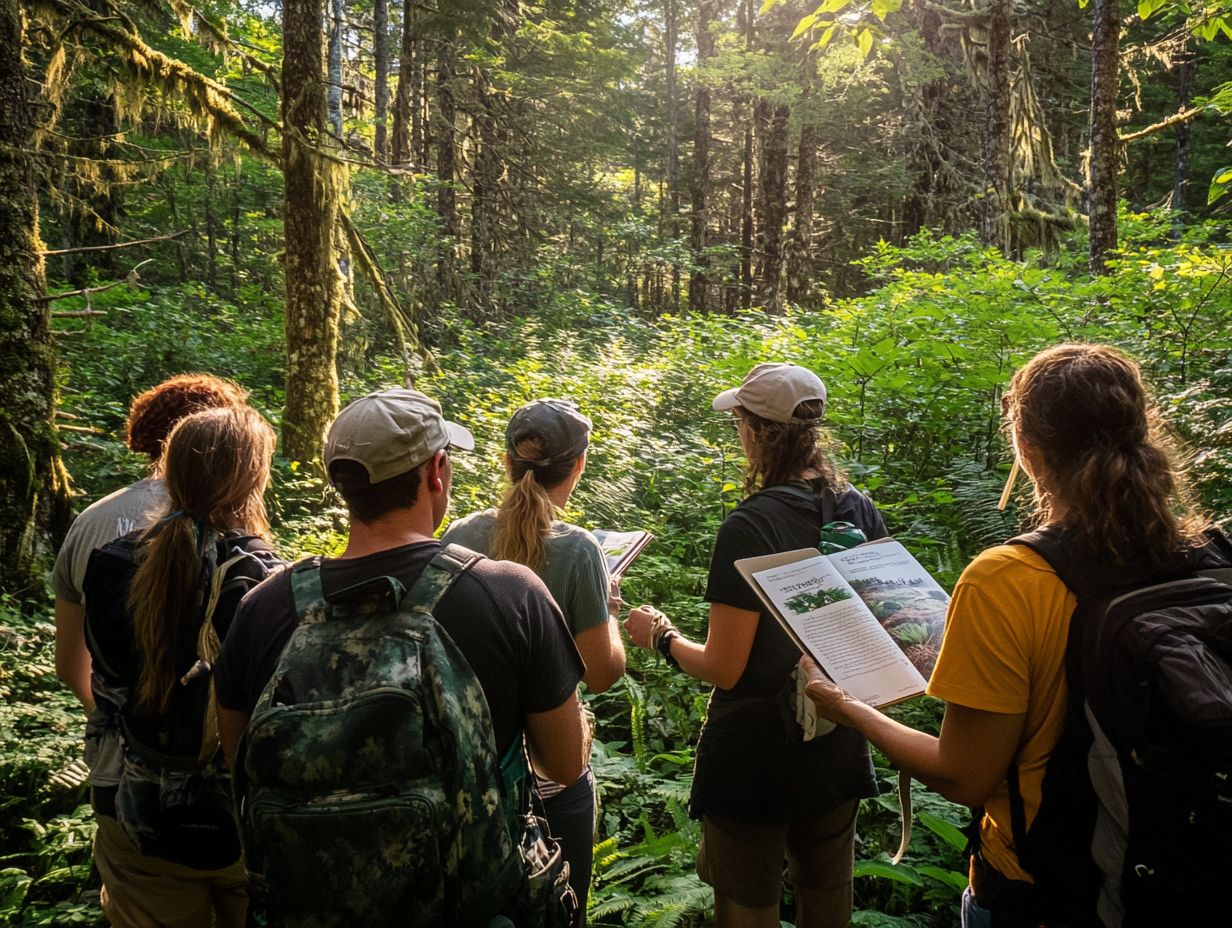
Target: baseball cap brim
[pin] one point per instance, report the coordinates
(459, 437)
(728, 399)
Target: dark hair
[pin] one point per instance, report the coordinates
(1084, 410)
(525, 515)
(779, 452)
(367, 502)
(215, 470)
(155, 412)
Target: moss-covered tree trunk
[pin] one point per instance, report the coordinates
(380, 67)
(29, 452)
(1105, 145)
(310, 212)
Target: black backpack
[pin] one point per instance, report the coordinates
(1133, 828)
(174, 795)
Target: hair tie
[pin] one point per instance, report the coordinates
(173, 514)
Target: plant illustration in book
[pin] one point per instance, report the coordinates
(804, 603)
(911, 609)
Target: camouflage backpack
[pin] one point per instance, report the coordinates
(368, 783)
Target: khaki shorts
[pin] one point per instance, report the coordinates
(745, 862)
(147, 892)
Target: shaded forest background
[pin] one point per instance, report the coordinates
(628, 203)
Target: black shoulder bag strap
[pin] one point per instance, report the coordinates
(826, 499)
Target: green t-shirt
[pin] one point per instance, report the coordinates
(574, 569)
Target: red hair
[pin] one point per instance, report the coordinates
(155, 412)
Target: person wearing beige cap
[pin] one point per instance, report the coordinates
(763, 792)
(388, 456)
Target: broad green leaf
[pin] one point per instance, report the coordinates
(832, 6)
(946, 831)
(1147, 7)
(951, 878)
(826, 36)
(804, 25)
(887, 871)
(865, 41)
(767, 6)
(883, 8)
(1221, 185)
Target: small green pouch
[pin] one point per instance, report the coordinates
(839, 536)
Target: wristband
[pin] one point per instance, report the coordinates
(665, 648)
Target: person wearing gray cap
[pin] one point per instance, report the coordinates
(388, 455)
(545, 455)
(764, 790)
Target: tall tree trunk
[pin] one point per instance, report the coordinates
(337, 14)
(701, 159)
(772, 200)
(995, 221)
(29, 450)
(746, 178)
(1184, 96)
(1105, 146)
(444, 129)
(406, 96)
(310, 213)
(673, 184)
(799, 261)
(380, 64)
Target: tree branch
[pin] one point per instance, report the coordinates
(1175, 119)
(143, 241)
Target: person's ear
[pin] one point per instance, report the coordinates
(436, 467)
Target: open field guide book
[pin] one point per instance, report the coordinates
(621, 548)
(871, 616)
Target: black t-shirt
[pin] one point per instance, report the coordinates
(499, 614)
(752, 765)
(767, 523)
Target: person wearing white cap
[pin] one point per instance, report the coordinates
(545, 455)
(763, 792)
(388, 455)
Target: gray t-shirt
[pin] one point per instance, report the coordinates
(574, 569)
(110, 518)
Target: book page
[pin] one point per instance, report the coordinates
(824, 615)
(621, 548)
(904, 597)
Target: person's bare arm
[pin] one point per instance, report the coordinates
(965, 764)
(231, 725)
(559, 741)
(72, 656)
(722, 659)
(604, 655)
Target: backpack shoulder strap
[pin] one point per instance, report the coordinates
(306, 592)
(440, 574)
(826, 500)
(1075, 572)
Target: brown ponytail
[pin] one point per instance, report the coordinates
(1108, 467)
(779, 452)
(215, 469)
(524, 519)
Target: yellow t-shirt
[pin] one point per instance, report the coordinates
(1004, 651)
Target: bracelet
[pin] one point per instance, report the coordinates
(665, 647)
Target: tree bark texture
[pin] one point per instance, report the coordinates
(443, 129)
(673, 179)
(337, 14)
(1105, 146)
(799, 261)
(380, 64)
(995, 221)
(772, 199)
(406, 98)
(30, 470)
(698, 283)
(1184, 97)
(310, 213)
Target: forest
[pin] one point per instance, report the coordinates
(628, 203)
